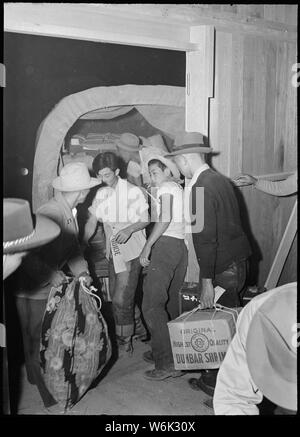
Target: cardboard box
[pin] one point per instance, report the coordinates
(200, 338)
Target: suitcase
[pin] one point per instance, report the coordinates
(188, 297)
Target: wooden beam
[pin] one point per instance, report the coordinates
(150, 25)
(85, 23)
(197, 14)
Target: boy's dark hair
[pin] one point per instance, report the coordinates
(158, 163)
(105, 160)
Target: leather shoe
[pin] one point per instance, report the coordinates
(160, 374)
(200, 385)
(193, 383)
(125, 345)
(148, 357)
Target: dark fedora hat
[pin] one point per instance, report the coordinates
(189, 142)
(19, 233)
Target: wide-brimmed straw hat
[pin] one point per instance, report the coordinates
(168, 163)
(129, 142)
(74, 176)
(19, 233)
(189, 142)
(271, 349)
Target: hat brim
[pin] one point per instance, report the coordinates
(45, 231)
(192, 149)
(171, 165)
(272, 384)
(56, 183)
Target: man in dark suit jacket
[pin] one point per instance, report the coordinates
(220, 243)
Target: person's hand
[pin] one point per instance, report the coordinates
(243, 180)
(122, 236)
(144, 256)
(87, 279)
(57, 278)
(207, 296)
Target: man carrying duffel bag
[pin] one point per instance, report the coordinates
(45, 268)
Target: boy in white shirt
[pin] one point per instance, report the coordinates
(166, 268)
(123, 210)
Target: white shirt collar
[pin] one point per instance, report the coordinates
(197, 174)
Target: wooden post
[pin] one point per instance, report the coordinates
(199, 79)
(283, 250)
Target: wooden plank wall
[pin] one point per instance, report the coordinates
(283, 13)
(253, 124)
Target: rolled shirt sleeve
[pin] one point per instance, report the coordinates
(279, 188)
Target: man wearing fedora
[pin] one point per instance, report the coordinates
(49, 266)
(165, 256)
(19, 237)
(130, 149)
(262, 357)
(221, 245)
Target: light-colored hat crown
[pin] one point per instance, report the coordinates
(129, 142)
(168, 163)
(185, 138)
(189, 142)
(74, 176)
(157, 141)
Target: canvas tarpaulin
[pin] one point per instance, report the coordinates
(162, 106)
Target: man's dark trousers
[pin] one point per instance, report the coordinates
(162, 283)
(233, 280)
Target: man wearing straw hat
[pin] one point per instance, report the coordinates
(49, 266)
(262, 358)
(165, 256)
(220, 243)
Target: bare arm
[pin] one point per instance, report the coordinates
(89, 228)
(124, 234)
(207, 295)
(275, 188)
(278, 188)
(159, 228)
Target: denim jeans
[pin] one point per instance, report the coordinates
(31, 314)
(162, 283)
(122, 288)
